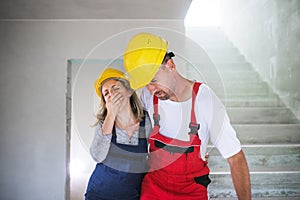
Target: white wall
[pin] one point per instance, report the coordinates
(268, 33)
(33, 81)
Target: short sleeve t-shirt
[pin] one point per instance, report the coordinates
(210, 114)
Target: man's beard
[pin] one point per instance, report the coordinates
(162, 95)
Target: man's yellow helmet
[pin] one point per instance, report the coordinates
(143, 56)
(107, 74)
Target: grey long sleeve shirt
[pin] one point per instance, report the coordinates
(101, 143)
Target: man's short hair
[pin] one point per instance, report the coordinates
(168, 56)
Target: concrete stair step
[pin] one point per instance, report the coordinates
(271, 115)
(223, 57)
(218, 58)
(263, 185)
(227, 62)
(260, 198)
(261, 158)
(245, 102)
(242, 88)
(235, 93)
(246, 96)
(250, 100)
(270, 100)
(202, 69)
(235, 85)
(235, 75)
(225, 76)
(227, 54)
(234, 66)
(220, 67)
(268, 133)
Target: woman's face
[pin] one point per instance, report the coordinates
(112, 87)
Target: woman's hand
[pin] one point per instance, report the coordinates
(113, 104)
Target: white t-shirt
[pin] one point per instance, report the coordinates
(210, 114)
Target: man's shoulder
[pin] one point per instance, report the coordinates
(203, 90)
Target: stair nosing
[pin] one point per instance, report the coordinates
(256, 172)
(263, 145)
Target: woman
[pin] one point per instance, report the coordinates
(120, 143)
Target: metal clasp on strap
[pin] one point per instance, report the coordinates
(156, 118)
(194, 127)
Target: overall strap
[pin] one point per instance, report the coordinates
(142, 130)
(156, 116)
(194, 127)
(114, 135)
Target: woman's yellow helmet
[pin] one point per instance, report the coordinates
(106, 74)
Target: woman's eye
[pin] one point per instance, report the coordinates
(116, 88)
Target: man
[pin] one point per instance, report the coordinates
(186, 114)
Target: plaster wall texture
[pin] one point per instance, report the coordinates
(33, 83)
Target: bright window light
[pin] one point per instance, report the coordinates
(203, 13)
(76, 168)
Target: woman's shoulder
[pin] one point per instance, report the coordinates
(146, 115)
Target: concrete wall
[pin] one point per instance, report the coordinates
(33, 79)
(268, 33)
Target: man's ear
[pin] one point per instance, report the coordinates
(171, 64)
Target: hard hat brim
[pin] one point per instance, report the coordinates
(107, 74)
(141, 76)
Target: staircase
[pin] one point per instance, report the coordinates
(268, 131)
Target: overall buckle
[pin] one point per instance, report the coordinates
(156, 118)
(194, 127)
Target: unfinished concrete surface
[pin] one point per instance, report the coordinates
(38, 38)
(268, 130)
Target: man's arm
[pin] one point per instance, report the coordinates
(240, 175)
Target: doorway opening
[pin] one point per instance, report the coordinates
(82, 105)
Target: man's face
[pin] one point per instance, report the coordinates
(160, 85)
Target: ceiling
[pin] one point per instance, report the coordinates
(94, 9)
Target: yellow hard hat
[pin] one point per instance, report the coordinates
(143, 56)
(106, 74)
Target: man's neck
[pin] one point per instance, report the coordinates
(183, 90)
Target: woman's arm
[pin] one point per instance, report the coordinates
(100, 145)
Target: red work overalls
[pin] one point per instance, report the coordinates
(176, 168)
